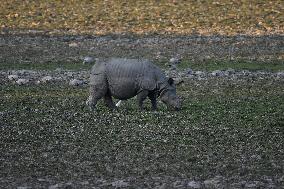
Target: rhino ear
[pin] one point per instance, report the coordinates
(171, 81)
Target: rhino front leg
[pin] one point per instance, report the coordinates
(108, 101)
(153, 97)
(141, 97)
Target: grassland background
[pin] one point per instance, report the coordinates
(229, 127)
(206, 17)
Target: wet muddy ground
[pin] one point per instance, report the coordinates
(229, 133)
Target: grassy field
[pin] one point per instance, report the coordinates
(45, 66)
(230, 128)
(207, 65)
(223, 17)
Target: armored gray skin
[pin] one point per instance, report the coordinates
(125, 78)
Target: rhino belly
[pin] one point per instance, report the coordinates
(123, 88)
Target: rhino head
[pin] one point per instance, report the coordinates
(169, 97)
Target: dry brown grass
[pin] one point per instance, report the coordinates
(253, 17)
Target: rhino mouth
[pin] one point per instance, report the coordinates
(176, 109)
(171, 108)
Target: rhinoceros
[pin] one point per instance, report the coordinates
(123, 79)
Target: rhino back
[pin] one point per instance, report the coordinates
(123, 76)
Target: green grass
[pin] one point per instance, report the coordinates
(228, 128)
(207, 65)
(45, 66)
(211, 65)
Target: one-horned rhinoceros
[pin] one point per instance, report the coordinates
(125, 78)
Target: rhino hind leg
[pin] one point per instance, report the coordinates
(96, 93)
(91, 102)
(141, 97)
